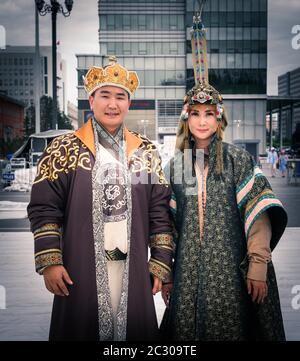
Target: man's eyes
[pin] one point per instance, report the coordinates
(106, 96)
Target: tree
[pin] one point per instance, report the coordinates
(9, 146)
(29, 121)
(46, 113)
(63, 121)
(46, 117)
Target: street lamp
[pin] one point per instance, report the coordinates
(54, 8)
(144, 123)
(238, 123)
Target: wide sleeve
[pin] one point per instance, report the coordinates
(255, 196)
(46, 207)
(161, 239)
(258, 246)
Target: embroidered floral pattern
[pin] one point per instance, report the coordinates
(50, 257)
(160, 270)
(147, 158)
(64, 154)
(164, 241)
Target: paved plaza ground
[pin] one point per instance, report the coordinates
(28, 303)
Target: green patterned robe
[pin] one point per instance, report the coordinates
(209, 299)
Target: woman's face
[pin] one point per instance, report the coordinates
(202, 121)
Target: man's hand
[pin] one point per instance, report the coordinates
(257, 289)
(55, 278)
(166, 292)
(157, 285)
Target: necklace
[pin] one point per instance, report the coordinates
(204, 186)
(200, 172)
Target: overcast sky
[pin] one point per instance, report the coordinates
(78, 34)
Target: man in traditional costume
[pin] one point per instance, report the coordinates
(99, 199)
(227, 221)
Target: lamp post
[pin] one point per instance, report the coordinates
(54, 8)
(144, 123)
(238, 123)
(37, 75)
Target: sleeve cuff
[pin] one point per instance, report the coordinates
(257, 271)
(162, 241)
(48, 229)
(160, 270)
(50, 257)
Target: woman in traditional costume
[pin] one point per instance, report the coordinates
(227, 221)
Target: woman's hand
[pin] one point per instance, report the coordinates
(166, 292)
(258, 290)
(157, 285)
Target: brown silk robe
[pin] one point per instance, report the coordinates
(60, 212)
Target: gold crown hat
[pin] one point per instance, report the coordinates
(113, 74)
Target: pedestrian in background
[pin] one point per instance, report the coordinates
(273, 160)
(283, 161)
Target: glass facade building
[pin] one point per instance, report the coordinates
(237, 44)
(289, 85)
(153, 38)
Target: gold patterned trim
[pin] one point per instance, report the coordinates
(162, 240)
(43, 234)
(47, 258)
(146, 158)
(62, 155)
(260, 195)
(46, 230)
(48, 227)
(160, 270)
(47, 251)
(115, 255)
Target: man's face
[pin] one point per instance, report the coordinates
(110, 105)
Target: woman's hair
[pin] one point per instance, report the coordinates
(184, 135)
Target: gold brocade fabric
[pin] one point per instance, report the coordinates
(64, 154)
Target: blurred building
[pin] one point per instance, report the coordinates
(17, 73)
(289, 86)
(11, 118)
(153, 38)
